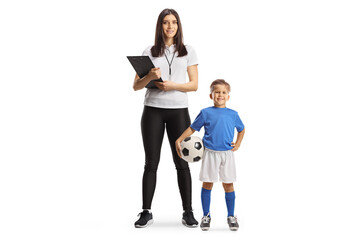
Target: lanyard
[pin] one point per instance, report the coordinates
(170, 63)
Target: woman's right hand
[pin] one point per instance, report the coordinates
(154, 73)
(140, 83)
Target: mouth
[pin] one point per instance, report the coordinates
(169, 31)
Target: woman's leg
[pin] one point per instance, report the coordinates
(152, 129)
(178, 120)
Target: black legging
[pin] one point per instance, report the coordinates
(153, 123)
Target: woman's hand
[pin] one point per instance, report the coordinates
(154, 73)
(140, 83)
(166, 85)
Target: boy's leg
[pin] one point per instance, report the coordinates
(229, 198)
(230, 204)
(206, 197)
(228, 176)
(205, 201)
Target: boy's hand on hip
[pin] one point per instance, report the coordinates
(234, 146)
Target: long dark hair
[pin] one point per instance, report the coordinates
(158, 49)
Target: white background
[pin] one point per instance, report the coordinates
(70, 145)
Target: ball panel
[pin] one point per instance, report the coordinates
(185, 152)
(198, 145)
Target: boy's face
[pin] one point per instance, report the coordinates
(220, 95)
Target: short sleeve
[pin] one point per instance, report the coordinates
(191, 56)
(238, 123)
(147, 51)
(199, 122)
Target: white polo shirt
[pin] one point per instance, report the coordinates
(155, 97)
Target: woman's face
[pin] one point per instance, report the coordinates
(170, 26)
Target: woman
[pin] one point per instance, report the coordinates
(166, 108)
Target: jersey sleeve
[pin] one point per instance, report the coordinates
(238, 123)
(191, 56)
(199, 122)
(147, 51)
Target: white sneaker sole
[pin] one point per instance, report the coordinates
(189, 226)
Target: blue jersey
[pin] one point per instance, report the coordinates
(219, 125)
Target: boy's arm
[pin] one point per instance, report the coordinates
(236, 145)
(188, 132)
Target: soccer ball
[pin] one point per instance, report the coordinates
(192, 149)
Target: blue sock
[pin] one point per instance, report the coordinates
(205, 200)
(230, 202)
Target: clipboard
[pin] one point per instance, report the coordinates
(142, 65)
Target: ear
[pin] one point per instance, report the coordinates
(228, 97)
(211, 96)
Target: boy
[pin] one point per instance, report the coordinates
(218, 159)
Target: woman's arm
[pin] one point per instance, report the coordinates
(140, 83)
(192, 85)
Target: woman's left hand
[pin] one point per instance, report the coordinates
(166, 85)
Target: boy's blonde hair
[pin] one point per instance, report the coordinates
(219, 82)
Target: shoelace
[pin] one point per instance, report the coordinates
(140, 214)
(232, 219)
(206, 218)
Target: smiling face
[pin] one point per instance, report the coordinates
(220, 95)
(170, 26)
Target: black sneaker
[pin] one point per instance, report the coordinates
(189, 220)
(145, 219)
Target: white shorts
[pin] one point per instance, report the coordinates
(218, 163)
